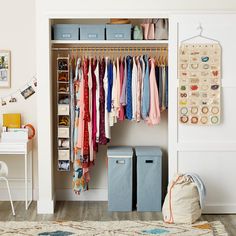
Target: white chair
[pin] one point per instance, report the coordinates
(3, 176)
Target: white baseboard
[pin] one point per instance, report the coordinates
(91, 195)
(47, 207)
(219, 209)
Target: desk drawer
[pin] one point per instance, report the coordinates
(13, 148)
(63, 154)
(63, 133)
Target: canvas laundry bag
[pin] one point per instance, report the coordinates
(182, 202)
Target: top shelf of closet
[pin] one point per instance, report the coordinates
(112, 42)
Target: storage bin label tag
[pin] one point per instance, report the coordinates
(119, 36)
(66, 36)
(94, 36)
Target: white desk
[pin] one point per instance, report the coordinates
(24, 149)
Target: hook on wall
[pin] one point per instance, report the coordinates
(200, 28)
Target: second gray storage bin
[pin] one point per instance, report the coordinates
(118, 31)
(120, 178)
(92, 32)
(149, 178)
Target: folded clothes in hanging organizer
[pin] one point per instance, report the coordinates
(108, 89)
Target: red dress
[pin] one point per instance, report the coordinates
(86, 114)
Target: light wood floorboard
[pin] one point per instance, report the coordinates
(95, 211)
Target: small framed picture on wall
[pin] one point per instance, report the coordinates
(5, 69)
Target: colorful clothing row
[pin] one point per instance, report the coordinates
(105, 91)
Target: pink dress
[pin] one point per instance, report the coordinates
(80, 141)
(139, 89)
(154, 112)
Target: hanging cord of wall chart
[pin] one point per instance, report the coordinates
(26, 91)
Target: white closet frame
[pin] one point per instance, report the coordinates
(46, 197)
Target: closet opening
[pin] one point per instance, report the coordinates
(66, 55)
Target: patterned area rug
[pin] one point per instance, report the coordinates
(100, 228)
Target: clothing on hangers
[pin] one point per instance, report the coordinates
(106, 90)
(129, 111)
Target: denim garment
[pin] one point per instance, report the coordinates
(146, 91)
(166, 95)
(129, 112)
(123, 96)
(160, 85)
(110, 84)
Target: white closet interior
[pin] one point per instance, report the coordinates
(123, 133)
(208, 151)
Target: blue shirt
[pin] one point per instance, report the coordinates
(129, 112)
(110, 84)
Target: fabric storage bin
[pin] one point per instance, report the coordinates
(92, 32)
(118, 31)
(149, 178)
(120, 178)
(63, 110)
(65, 32)
(63, 154)
(63, 133)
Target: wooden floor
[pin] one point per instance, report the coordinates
(80, 211)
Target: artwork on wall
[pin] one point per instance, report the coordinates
(5, 69)
(26, 91)
(199, 72)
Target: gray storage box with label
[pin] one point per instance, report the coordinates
(118, 31)
(92, 32)
(120, 178)
(65, 32)
(149, 178)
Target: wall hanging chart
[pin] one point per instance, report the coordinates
(199, 75)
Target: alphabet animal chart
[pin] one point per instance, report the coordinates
(199, 84)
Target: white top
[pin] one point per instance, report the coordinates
(96, 72)
(114, 101)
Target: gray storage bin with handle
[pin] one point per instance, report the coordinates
(65, 32)
(161, 28)
(149, 178)
(120, 178)
(92, 32)
(118, 31)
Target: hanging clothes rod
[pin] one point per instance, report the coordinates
(105, 49)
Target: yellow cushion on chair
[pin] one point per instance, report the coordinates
(12, 120)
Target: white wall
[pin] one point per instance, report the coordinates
(18, 35)
(136, 5)
(209, 151)
(101, 9)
